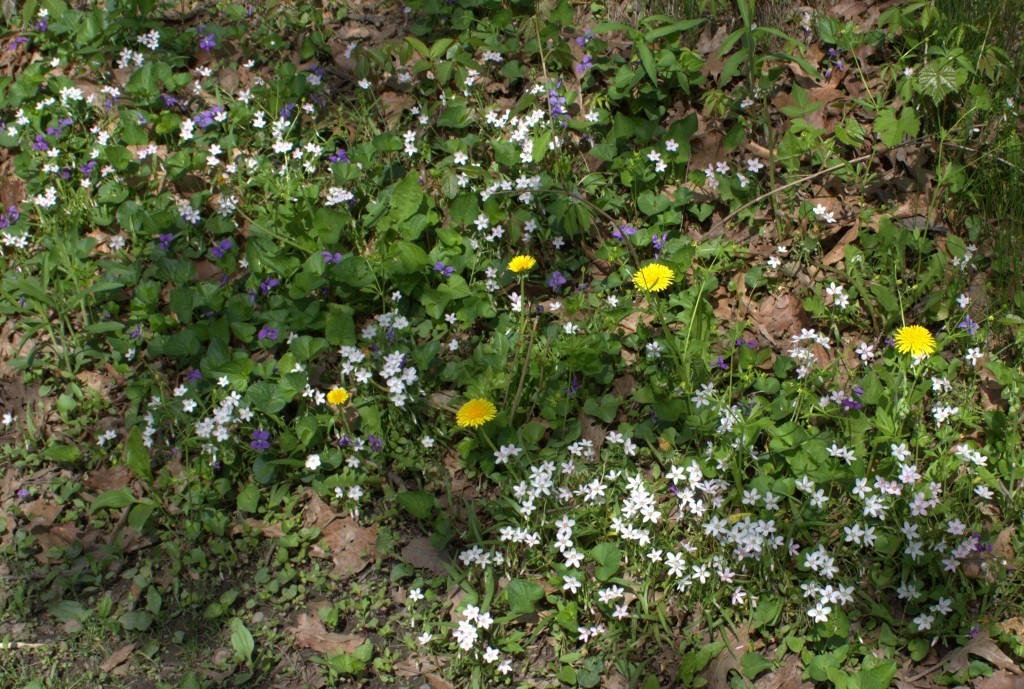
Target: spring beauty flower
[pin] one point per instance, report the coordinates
(337, 397)
(654, 277)
(476, 412)
(914, 340)
(521, 264)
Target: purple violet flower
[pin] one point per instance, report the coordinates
(259, 440)
(165, 240)
(269, 284)
(207, 42)
(556, 281)
(447, 271)
(623, 231)
(218, 250)
(969, 325)
(268, 333)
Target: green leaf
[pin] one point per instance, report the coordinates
(878, 677)
(650, 203)
(241, 639)
(419, 503)
(610, 558)
(62, 453)
(112, 500)
(139, 515)
(669, 29)
(248, 499)
(647, 60)
(67, 610)
(605, 410)
(753, 664)
(406, 198)
(138, 621)
(136, 456)
(937, 79)
(540, 146)
(406, 258)
(891, 130)
(522, 596)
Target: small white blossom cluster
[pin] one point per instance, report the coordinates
(965, 260)
(218, 425)
(721, 167)
(804, 355)
(823, 214)
(338, 195)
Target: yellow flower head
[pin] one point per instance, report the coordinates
(653, 277)
(337, 396)
(521, 264)
(914, 340)
(475, 412)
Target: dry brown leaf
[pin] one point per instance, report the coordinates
(838, 252)
(781, 315)
(981, 646)
(309, 632)
(1002, 548)
(416, 665)
(102, 480)
(593, 431)
(737, 642)
(421, 553)
(786, 677)
(43, 513)
(438, 682)
(614, 680)
(353, 546)
(1000, 679)
(268, 530)
(118, 657)
(1014, 625)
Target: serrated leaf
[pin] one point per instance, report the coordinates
(892, 129)
(937, 80)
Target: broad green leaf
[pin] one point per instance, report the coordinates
(241, 639)
(112, 500)
(419, 503)
(406, 197)
(522, 596)
(248, 499)
(136, 456)
(138, 621)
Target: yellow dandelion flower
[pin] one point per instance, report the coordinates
(475, 412)
(654, 277)
(337, 396)
(914, 340)
(521, 264)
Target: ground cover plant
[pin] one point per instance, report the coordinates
(510, 344)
